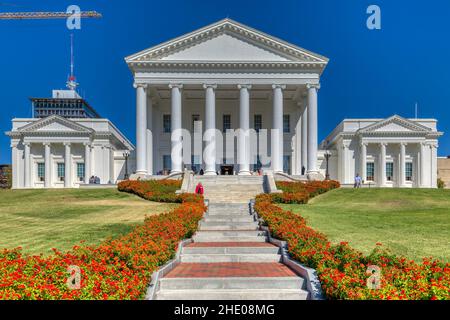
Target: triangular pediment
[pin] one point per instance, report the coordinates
(395, 124)
(227, 41)
(55, 124)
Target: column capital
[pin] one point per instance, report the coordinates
(244, 86)
(403, 144)
(67, 144)
(87, 144)
(384, 144)
(175, 85)
(46, 144)
(140, 85)
(278, 86)
(26, 144)
(313, 85)
(364, 143)
(15, 144)
(210, 85)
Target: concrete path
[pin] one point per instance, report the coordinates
(230, 259)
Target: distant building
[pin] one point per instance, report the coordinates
(444, 170)
(65, 144)
(64, 103)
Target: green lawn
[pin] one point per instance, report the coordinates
(411, 222)
(39, 220)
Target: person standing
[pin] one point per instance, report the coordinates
(358, 181)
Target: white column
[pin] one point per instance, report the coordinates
(149, 136)
(421, 166)
(363, 169)
(345, 161)
(402, 174)
(27, 165)
(176, 136)
(244, 126)
(277, 128)
(48, 165)
(305, 138)
(210, 127)
(67, 166)
(141, 128)
(87, 162)
(382, 166)
(112, 180)
(312, 128)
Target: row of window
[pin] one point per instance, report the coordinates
(226, 122)
(370, 171)
(61, 171)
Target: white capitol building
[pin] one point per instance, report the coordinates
(225, 76)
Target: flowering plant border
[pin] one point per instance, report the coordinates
(118, 268)
(342, 270)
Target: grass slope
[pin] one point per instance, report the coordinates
(411, 222)
(39, 220)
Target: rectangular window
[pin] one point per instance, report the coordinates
(370, 171)
(287, 164)
(257, 122)
(195, 118)
(389, 171)
(167, 163)
(167, 123)
(80, 171)
(408, 171)
(286, 123)
(61, 171)
(41, 171)
(226, 122)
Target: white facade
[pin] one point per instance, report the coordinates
(226, 73)
(56, 152)
(392, 152)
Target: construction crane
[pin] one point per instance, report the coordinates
(46, 15)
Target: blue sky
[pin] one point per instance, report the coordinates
(370, 74)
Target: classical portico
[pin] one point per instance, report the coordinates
(56, 152)
(226, 76)
(392, 152)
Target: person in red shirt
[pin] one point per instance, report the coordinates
(199, 188)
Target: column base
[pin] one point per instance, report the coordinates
(138, 176)
(244, 173)
(210, 173)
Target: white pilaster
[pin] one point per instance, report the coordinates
(176, 136)
(434, 147)
(48, 165)
(27, 165)
(111, 164)
(305, 138)
(14, 165)
(402, 172)
(87, 163)
(244, 124)
(382, 162)
(67, 165)
(363, 169)
(141, 128)
(149, 136)
(312, 127)
(277, 128)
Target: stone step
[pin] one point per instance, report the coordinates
(217, 258)
(231, 250)
(228, 218)
(232, 283)
(221, 238)
(205, 226)
(234, 294)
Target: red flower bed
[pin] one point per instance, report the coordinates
(342, 270)
(301, 192)
(116, 269)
